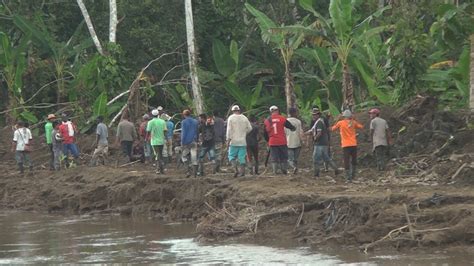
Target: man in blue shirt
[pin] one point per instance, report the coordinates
(189, 136)
(168, 148)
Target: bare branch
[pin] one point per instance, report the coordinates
(44, 86)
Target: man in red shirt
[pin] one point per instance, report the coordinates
(275, 134)
(68, 131)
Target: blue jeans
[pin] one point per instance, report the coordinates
(72, 147)
(147, 149)
(211, 150)
(238, 152)
(320, 154)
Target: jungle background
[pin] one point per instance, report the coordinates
(249, 52)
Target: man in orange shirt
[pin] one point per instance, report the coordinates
(347, 129)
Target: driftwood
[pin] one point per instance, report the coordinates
(397, 233)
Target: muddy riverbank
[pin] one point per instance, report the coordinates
(424, 199)
(365, 214)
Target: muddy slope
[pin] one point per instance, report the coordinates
(315, 212)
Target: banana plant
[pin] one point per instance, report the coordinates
(341, 34)
(285, 43)
(233, 78)
(63, 54)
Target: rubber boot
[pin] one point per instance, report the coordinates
(195, 170)
(236, 170)
(353, 172)
(274, 168)
(201, 169)
(214, 167)
(21, 168)
(333, 166)
(189, 171)
(242, 170)
(348, 176)
(316, 170)
(326, 168)
(284, 168)
(218, 166)
(256, 169)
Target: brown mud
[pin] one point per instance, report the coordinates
(425, 199)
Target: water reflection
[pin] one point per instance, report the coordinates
(34, 238)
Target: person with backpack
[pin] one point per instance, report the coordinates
(189, 145)
(252, 145)
(48, 128)
(294, 139)
(275, 133)
(68, 132)
(156, 128)
(22, 146)
(319, 131)
(238, 126)
(348, 126)
(57, 145)
(208, 141)
(380, 136)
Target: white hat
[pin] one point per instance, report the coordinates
(347, 113)
(273, 108)
(235, 108)
(160, 108)
(154, 112)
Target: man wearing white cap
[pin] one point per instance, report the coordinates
(275, 133)
(238, 126)
(348, 131)
(157, 129)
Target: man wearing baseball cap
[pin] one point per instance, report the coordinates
(238, 126)
(48, 129)
(275, 133)
(380, 135)
(348, 129)
(321, 143)
(156, 128)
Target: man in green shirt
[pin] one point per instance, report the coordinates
(157, 128)
(48, 130)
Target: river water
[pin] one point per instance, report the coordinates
(44, 239)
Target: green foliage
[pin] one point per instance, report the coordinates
(100, 105)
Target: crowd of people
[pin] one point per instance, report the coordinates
(207, 137)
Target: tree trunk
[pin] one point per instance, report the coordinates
(87, 18)
(471, 75)
(289, 89)
(112, 20)
(197, 93)
(348, 89)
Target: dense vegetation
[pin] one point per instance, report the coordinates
(323, 52)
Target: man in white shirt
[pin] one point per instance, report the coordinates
(380, 135)
(22, 141)
(238, 126)
(294, 139)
